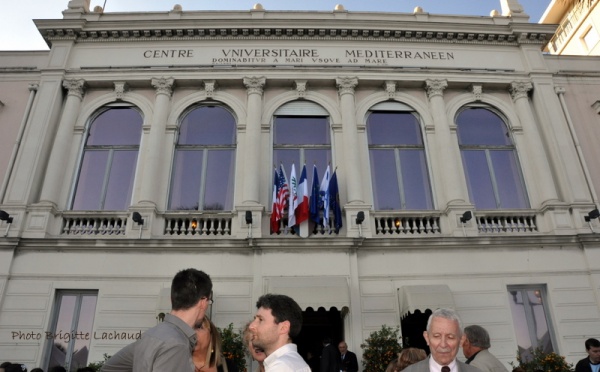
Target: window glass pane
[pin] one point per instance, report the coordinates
(120, 180)
(64, 324)
(116, 126)
(88, 193)
(415, 179)
(385, 184)
(319, 157)
(508, 177)
(394, 128)
(287, 157)
(479, 179)
(479, 126)
(219, 190)
(86, 321)
(530, 320)
(208, 125)
(298, 130)
(185, 188)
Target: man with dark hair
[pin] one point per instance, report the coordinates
(592, 362)
(329, 357)
(444, 336)
(475, 348)
(168, 346)
(277, 321)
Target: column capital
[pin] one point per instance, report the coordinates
(346, 84)
(559, 90)
(163, 85)
(34, 87)
(435, 87)
(76, 87)
(255, 84)
(519, 89)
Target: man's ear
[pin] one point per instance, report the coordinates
(426, 337)
(284, 327)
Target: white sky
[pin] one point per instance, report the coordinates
(19, 33)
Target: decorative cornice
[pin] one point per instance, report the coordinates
(346, 84)
(255, 84)
(435, 87)
(519, 89)
(163, 85)
(260, 33)
(75, 87)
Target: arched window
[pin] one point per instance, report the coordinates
(490, 160)
(203, 167)
(107, 170)
(301, 135)
(399, 172)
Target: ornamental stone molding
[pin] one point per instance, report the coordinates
(255, 85)
(435, 87)
(163, 86)
(520, 89)
(477, 90)
(210, 86)
(390, 88)
(346, 84)
(301, 86)
(559, 90)
(34, 87)
(120, 89)
(75, 87)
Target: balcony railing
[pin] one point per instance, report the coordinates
(568, 26)
(494, 223)
(104, 224)
(213, 225)
(394, 224)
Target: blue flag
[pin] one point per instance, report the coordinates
(315, 214)
(334, 202)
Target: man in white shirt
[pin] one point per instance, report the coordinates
(278, 320)
(444, 336)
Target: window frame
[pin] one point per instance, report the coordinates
(204, 151)
(487, 151)
(82, 153)
(399, 107)
(58, 296)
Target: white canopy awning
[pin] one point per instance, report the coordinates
(313, 292)
(423, 297)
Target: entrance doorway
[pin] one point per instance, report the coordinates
(412, 326)
(316, 325)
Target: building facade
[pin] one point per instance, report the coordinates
(578, 32)
(144, 143)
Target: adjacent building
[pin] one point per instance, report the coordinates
(144, 143)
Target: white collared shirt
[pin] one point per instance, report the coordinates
(286, 359)
(435, 367)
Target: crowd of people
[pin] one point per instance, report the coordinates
(188, 341)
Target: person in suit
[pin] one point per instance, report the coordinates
(475, 348)
(444, 336)
(348, 361)
(592, 362)
(329, 357)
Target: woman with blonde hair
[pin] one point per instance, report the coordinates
(207, 355)
(409, 356)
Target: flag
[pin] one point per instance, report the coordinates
(302, 192)
(324, 197)
(293, 203)
(314, 197)
(334, 202)
(275, 216)
(283, 193)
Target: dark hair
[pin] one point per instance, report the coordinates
(37, 370)
(188, 287)
(283, 308)
(5, 364)
(591, 342)
(57, 369)
(16, 368)
(478, 336)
